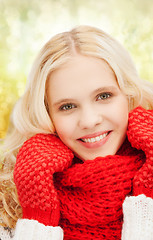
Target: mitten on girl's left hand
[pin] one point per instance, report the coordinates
(140, 135)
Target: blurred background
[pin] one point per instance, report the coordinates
(25, 25)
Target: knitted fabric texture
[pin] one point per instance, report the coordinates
(38, 159)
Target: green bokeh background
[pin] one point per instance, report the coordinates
(25, 25)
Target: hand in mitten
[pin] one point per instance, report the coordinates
(38, 159)
(140, 135)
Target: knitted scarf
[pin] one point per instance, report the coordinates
(91, 194)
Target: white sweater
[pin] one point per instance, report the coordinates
(137, 225)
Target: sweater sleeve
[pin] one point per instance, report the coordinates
(137, 218)
(33, 230)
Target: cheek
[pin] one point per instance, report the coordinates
(123, 119)
(64, 127)
(120, 114)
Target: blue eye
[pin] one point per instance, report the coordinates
(67, 107)
(103, 96)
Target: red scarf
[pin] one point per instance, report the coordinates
(92, 193)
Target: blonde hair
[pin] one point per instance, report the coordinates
(31, 115)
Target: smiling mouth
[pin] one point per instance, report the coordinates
(94, 139)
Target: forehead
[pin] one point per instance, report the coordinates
(80, 74)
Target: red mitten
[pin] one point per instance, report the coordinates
(140, 135)
(38, 159)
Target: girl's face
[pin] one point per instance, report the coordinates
(88, 110)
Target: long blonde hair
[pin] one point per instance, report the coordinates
(31, 115)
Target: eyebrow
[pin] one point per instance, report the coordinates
(101, 89)
(105, 89)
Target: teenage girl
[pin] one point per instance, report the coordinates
(79, 162)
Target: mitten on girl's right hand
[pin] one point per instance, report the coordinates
(140, 135)
(38, 159)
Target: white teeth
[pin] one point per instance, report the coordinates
(96, 139)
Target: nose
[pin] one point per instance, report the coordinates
(89, 118)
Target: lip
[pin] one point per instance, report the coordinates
(95, 144)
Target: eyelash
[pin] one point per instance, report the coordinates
(105, 95)
(67, 107)
(70, 106)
